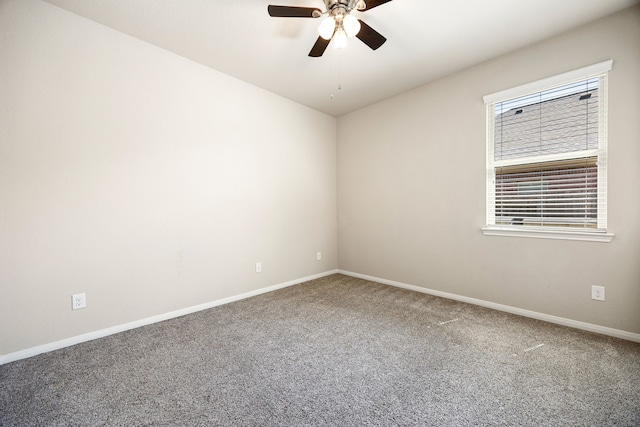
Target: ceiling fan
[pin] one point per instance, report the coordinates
(339, 23)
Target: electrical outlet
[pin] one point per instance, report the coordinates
(258, 267)
(319, 256)
(78, 301)
(597, 293)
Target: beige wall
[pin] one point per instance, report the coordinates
(145, 180)
(411, 188)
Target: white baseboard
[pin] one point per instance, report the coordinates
(33, 351)
(629, 336)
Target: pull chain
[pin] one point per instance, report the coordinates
(339, 72)
(340, 69)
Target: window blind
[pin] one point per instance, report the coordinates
(563, 193)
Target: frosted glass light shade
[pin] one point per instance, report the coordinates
(327, 27)
(340, 39)
(351, 25)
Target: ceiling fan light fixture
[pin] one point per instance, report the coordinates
(327, 27)
(338, 25)
(351, 25)
(340, 39)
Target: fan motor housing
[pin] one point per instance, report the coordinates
(335, 5)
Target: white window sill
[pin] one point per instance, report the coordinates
(593, 236)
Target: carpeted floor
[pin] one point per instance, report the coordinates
(335, 351)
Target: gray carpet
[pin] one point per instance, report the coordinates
(335, 351)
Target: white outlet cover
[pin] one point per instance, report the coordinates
(78, 301)
(597, 293)
(258, 267)
(319, 256)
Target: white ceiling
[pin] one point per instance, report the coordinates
(426, 40)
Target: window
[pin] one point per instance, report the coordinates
(547, 158)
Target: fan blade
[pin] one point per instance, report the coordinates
(319, 47)
(370, 37)
(373, 3)
(293, 11)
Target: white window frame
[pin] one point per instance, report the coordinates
(596, 235)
